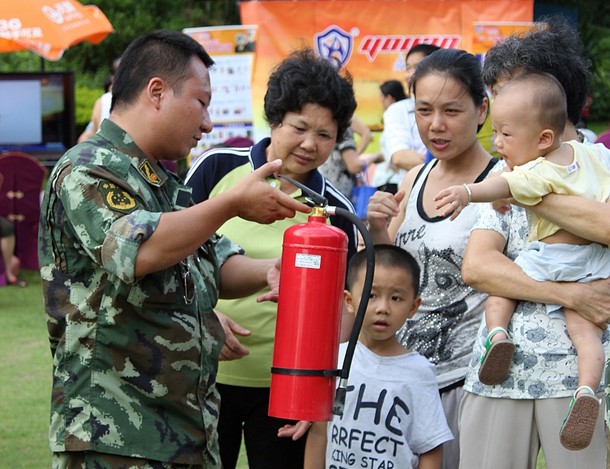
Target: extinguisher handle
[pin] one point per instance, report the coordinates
(340, 394)
(313, 199)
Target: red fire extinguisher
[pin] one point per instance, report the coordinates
(308, 320)
(312, 281)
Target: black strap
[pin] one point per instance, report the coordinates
(295, 372)
(488, 168)
(451, 387)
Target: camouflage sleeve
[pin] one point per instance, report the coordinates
(107, 221)
(225, 248)
(121, 244)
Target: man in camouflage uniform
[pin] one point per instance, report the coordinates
(132, 270)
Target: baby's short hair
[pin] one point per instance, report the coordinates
(548, 98)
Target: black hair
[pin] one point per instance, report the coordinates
(394, 89)
(425, 49)
(548, 98)
(553, 47)
(305, 78)
(460, 65)
(386, 255)
(163, 53)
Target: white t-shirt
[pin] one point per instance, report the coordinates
(383, 174)
(106, 100)
(400, 128)
(392, 413)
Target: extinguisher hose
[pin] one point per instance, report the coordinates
(339, 404)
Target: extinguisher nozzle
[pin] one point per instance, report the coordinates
(339, 403)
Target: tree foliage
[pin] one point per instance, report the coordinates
(593, 22)
(131, 18)
(594, 29)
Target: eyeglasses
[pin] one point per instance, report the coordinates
(188, 292)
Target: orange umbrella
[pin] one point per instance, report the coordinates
(49, 27)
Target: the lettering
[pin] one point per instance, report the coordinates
(393, 414)
(343, 457)
(63, 12)
(65, 8)
(369, 463)
(372, 45)
(11, 24)
(375, 435)
(413, 234)
(397, 408)
(362, 404)
(16, 34)
(366, 442)
(376, 463)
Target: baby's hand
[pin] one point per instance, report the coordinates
(452, 200)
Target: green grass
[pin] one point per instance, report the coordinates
(26, 376)
(25, 386)
(598, 127)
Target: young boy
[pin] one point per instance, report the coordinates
(393, 416)
(528, 118)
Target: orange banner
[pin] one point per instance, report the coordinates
(486, 34)
(369, 37)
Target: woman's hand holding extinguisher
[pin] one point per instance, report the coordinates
(232, 348)
(273, 282)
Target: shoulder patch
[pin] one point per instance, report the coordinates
(147, 170)
(116, 198)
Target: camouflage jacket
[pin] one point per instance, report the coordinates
(134, 361)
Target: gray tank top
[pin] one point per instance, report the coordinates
(445, 326)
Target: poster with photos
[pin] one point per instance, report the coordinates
(233, 51)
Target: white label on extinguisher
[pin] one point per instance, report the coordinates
(308, 261)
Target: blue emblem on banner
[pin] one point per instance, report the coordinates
(334, 44)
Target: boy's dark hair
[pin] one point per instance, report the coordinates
(425, 49)
(305, 78)
(394, 89)
(553, 47)
(163, 53)
(386, 255)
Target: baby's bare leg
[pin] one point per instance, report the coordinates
(499, 348)
(586, 338)
(498, 313)
(578, 426)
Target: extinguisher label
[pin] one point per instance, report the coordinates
(308, 261)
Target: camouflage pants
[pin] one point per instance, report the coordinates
(92, 460)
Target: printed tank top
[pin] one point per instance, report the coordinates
(445, 327)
